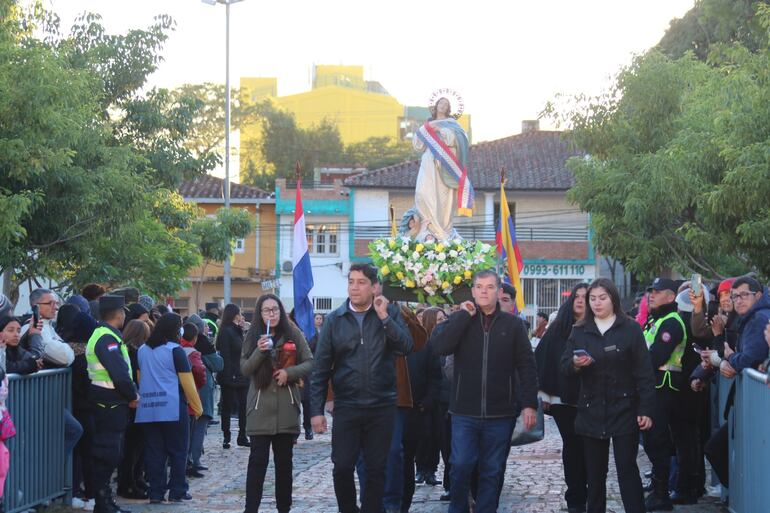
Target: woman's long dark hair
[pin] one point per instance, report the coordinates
(166, 330)
(229, 314)
(430, 319)
(283, 321)
(263, 376)
(549, 350)
(612, 291)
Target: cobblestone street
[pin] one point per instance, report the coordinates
(533, 482)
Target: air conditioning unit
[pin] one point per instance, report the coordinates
(287, 266)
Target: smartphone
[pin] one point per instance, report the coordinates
(35, 315)
(581, 352)
(696, 283)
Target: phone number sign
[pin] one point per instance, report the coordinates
(573, 271)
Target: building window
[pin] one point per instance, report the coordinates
(546, 294)
(240, 246)
(181, 306)
(322, 304)
(322, 239)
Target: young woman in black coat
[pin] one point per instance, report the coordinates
(17, 359)
(608, 354)
(559, 394)
(234, 385)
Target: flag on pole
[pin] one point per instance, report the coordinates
(508, 249)
(393, 229)
(303, 273)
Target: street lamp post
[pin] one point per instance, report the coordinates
(226, 189)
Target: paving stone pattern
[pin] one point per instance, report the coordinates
(533, 481)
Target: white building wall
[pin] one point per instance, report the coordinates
(329, 271)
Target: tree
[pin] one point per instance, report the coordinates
(215, 237)
(712, 22)
(87, 163)
(377, 152)
(679, 162)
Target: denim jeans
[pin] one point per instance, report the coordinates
(198, 429)
(72, 432)
(394, 469)
(484, 442)
(167, 443)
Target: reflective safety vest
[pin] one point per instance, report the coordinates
(212, 327)
(96, 371)
(674, 362)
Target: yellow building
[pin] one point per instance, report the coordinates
(253, 267)
(361, 109)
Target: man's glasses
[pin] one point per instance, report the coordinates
(743, 296)
(52, 302)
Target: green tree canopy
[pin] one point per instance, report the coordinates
(679, 169)
(88, 162)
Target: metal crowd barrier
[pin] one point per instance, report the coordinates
(39, 470)
(750, 444)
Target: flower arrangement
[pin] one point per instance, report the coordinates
(432, 270)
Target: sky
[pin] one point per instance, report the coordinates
(506, 58)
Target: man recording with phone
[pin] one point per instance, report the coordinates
(356, 351)
(490, 348)
(54, 351)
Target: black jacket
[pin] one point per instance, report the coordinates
(486, 364)
(229, 344)
(19, 361)
(359, 362)
(619, 385)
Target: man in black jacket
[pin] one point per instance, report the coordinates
(356, 351)
(490, 348)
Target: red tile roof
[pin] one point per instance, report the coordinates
(210, 187)
(533, 161)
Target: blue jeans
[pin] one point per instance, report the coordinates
(394, 470)
(484, 442)
(198, 429)
(72, 432)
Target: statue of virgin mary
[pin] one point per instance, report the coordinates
(443, 188)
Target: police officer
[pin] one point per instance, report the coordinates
(666, 336)
(110, 394)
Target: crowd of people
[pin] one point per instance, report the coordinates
(406, 387)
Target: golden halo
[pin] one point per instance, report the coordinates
(456, 102)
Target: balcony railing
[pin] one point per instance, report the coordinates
(478, 232)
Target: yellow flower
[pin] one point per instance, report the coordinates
(400, 275)
(409, 284)
(419, 247)
(385, 270)
(440, 248)
(445, 285)
(392, 244)
(468, 275)
(458, 280)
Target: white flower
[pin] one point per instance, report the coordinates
(415, 255)
(398, 258)
(404, 248)
(444, 268)
(430, 255)
(441, 257)
(485, 247)
(453, 253)
(386, 253)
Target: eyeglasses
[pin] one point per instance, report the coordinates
(271, 311)
(743, 296)
(52, 302)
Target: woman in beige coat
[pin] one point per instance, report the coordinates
(275, 358)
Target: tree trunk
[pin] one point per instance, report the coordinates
(198, 288)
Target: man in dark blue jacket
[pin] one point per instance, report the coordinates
(752, 303)
(356, 350)
(491, 349)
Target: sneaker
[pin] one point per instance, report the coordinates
(714, 491)
(78, 503)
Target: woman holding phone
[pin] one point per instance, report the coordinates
(607, 352)
(275, 359)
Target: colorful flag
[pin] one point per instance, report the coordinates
(303, 272)
(508, 249)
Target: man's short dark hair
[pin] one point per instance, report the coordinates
(36, 295)
(753, 284)
(543, 315)
(510, 290)
(93, 291)
(190, 331)
(367, 270)
(488, 273)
